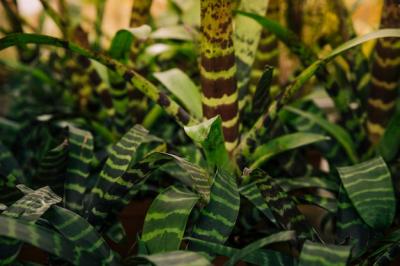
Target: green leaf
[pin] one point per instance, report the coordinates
(253, 194)
(261, 96)
(166, 219)
(326, 203)
(289, 38)
(257, 257)
(210, 136)
(282, 144)
(80, 155)
(114, 179)
(193, 176)
(121, 45)
(350, 227)
(278, 237)
(77, 230)
(176, 258)
(29, 208)
(370, 189)
(44, 239)
(335, 130)
(389, 144)
(315, 254)
(179, 84)
(290, 184)
(246, 37)
(282, 205)
(218, 218)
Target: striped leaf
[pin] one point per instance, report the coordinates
(193, 176)
(257, 245)
(176, 258)
(290, 184)
(113, 180)
(52, 166)
(261, 97)
(257, 257)
(336, 131)
(178, 83)
(328, 255)
(209, 135)
(370, 189)
(45, 239)
(29, 208)
(253, 194)
(281, 204)
(281, 144)
(80, 154)
(351, 229)
(166, 219)
(326, 203)
(218, 218)
(77, 230)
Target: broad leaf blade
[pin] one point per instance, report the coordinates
(80, 154)
(193, 176)
(166, 219)
(315, 254)
(370, 189)
(282, 144)
(210, 136)
(253, 194)
(218, 218)
(177, 82)
(77, 230)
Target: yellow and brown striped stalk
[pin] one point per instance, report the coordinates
(268, 50)
(140, 13)
(218, 68)
(385, 74)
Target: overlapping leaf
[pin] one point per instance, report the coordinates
(253, 194)
(218, 218)
(281, 204)
(80, 154)
(113, 181)
(315, 254)
(193, 176)
(166, 219)
(210, 136)
(29, 208)
(370, 189)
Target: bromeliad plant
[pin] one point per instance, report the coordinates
(237, 172)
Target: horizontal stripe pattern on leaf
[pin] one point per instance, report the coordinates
(315, 254)
(176, 258)
(218, 218)
(370, 189)
(166, 219)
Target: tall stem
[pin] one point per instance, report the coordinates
(385, 75)
(218, 69)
